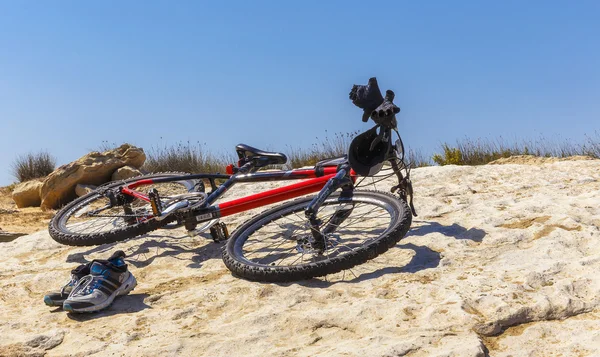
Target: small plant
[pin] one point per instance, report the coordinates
(416, 158)
(592, 145)
(451, 156)
(33, 165)
(106, 146)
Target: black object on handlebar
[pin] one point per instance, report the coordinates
(382, 110)
(368, 151)
(367, 97)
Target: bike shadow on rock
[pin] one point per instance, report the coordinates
(121, 305)
(145, 253)
(455, 230)
(424, 257)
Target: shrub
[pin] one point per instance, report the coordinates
(33, 165)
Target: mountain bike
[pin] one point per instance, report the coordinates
(305, 237)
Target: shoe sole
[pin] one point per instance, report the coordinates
(124, 289)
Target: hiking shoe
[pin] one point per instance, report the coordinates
(96, 291)
(58, 298)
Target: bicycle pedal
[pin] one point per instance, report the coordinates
(219, 232)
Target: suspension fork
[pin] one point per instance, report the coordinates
(341, 179)
(405, 186)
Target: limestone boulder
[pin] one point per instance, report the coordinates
(27, 194)
(124, 173)
(94, 168)
(82, 190)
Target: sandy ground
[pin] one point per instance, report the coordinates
(21, 220)
(503, 260)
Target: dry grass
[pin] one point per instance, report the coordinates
(195, 158)
(416, 158)
(185, 157)
(326, 148)
(33, 165)
(482, 151)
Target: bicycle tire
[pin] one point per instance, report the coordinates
(242, 266)
(59, 231)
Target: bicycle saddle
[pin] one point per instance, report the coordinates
(264, 158)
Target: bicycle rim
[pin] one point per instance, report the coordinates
(93, 216)
(283, 238)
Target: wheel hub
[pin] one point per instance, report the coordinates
(305, 244)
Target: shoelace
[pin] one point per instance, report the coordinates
(72, 282)
(86, 285)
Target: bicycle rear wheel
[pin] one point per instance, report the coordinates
(89, 221)
(275, 245)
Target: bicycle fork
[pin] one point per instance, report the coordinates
(341, 179)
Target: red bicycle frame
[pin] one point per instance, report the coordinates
(314, 180)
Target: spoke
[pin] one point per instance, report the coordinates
(283, 253)
(266, 245)
(292, 248)
(362, 217)
(279, 245)
(361, 180)
(82, 223)
(102, 226)
(265, 238)
(356, 220)
(300, 257)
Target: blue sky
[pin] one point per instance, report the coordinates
(277, 73)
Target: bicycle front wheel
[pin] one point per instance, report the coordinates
(91, 220)
(275, 246)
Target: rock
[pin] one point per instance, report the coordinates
(536, 160)
(36, 346)
(94, 168)
(8, 211)
(511, 270)
(9, 237)
(82, 190)
(47, 341)
(124, 173)
(27, 194)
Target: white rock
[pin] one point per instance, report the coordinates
(499, 272)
